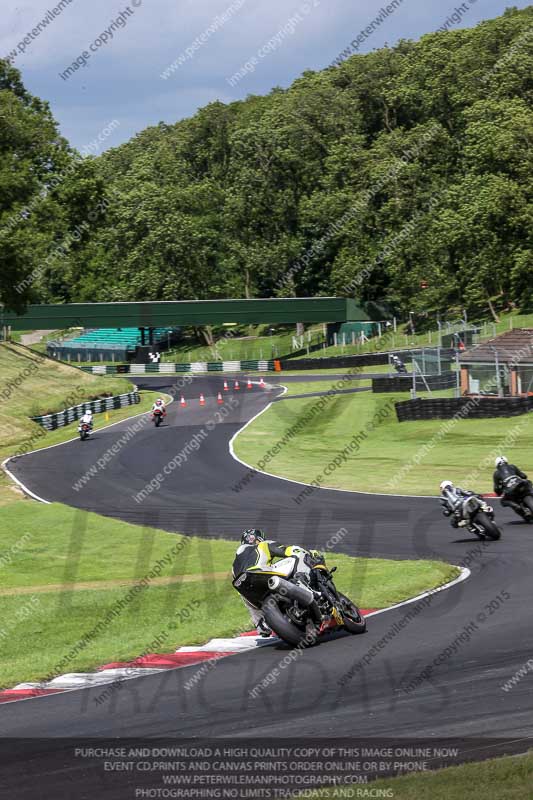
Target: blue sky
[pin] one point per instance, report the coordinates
(121, 82)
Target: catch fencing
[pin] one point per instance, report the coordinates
(404, 383)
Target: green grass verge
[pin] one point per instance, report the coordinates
(509, 778)
(401, 458)
(47, 547)
(325, 386)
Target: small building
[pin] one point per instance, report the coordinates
(502, 366)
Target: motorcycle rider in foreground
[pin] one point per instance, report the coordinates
(503, 472)
(256, 551)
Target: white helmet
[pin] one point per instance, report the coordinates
(500, 460)
(446, 486)
(159, 402)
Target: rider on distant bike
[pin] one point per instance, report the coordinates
(504, 471)
(159, 406)
(87, 419)
(452, 499)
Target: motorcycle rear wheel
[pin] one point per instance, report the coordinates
(279, 623)
(354, 622)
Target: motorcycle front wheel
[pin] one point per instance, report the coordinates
(354, 622)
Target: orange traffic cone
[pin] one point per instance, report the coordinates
(236, 386)
(262, 383)
(249, 384)
(226, 387)
(220, 399)
(202, 400)
(183, 404)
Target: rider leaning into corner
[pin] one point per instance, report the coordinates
(452, 499)
(258, 552)
(503, 472)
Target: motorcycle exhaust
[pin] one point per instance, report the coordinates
(288, 590)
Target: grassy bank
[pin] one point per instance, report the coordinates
(63, 570)
(390, 457)
(31, 385)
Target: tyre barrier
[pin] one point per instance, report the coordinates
(462, 408)
(68, 415)
(169, 367)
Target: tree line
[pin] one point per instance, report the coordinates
(401, 177)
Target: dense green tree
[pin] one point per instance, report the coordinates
(32, 156)
(404, 167)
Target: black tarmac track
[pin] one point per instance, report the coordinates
(459, 650)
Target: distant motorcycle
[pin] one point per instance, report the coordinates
(84, 430)
(298, 613)
(398, 365)
(520, 491)
(158, 417)
(480, 518)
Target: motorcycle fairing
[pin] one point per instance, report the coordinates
(284, 568)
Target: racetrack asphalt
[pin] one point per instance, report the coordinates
(479, 631)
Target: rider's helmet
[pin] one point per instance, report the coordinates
(500, 461)
(159, 402)
(252, 536)
(446, 486)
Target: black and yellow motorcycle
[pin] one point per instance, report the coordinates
(297, 609)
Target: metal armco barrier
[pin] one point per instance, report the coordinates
(68, 415)
(463, 407)
(170, 368)
(403, 383)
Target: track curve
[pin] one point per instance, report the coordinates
(463, 696)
